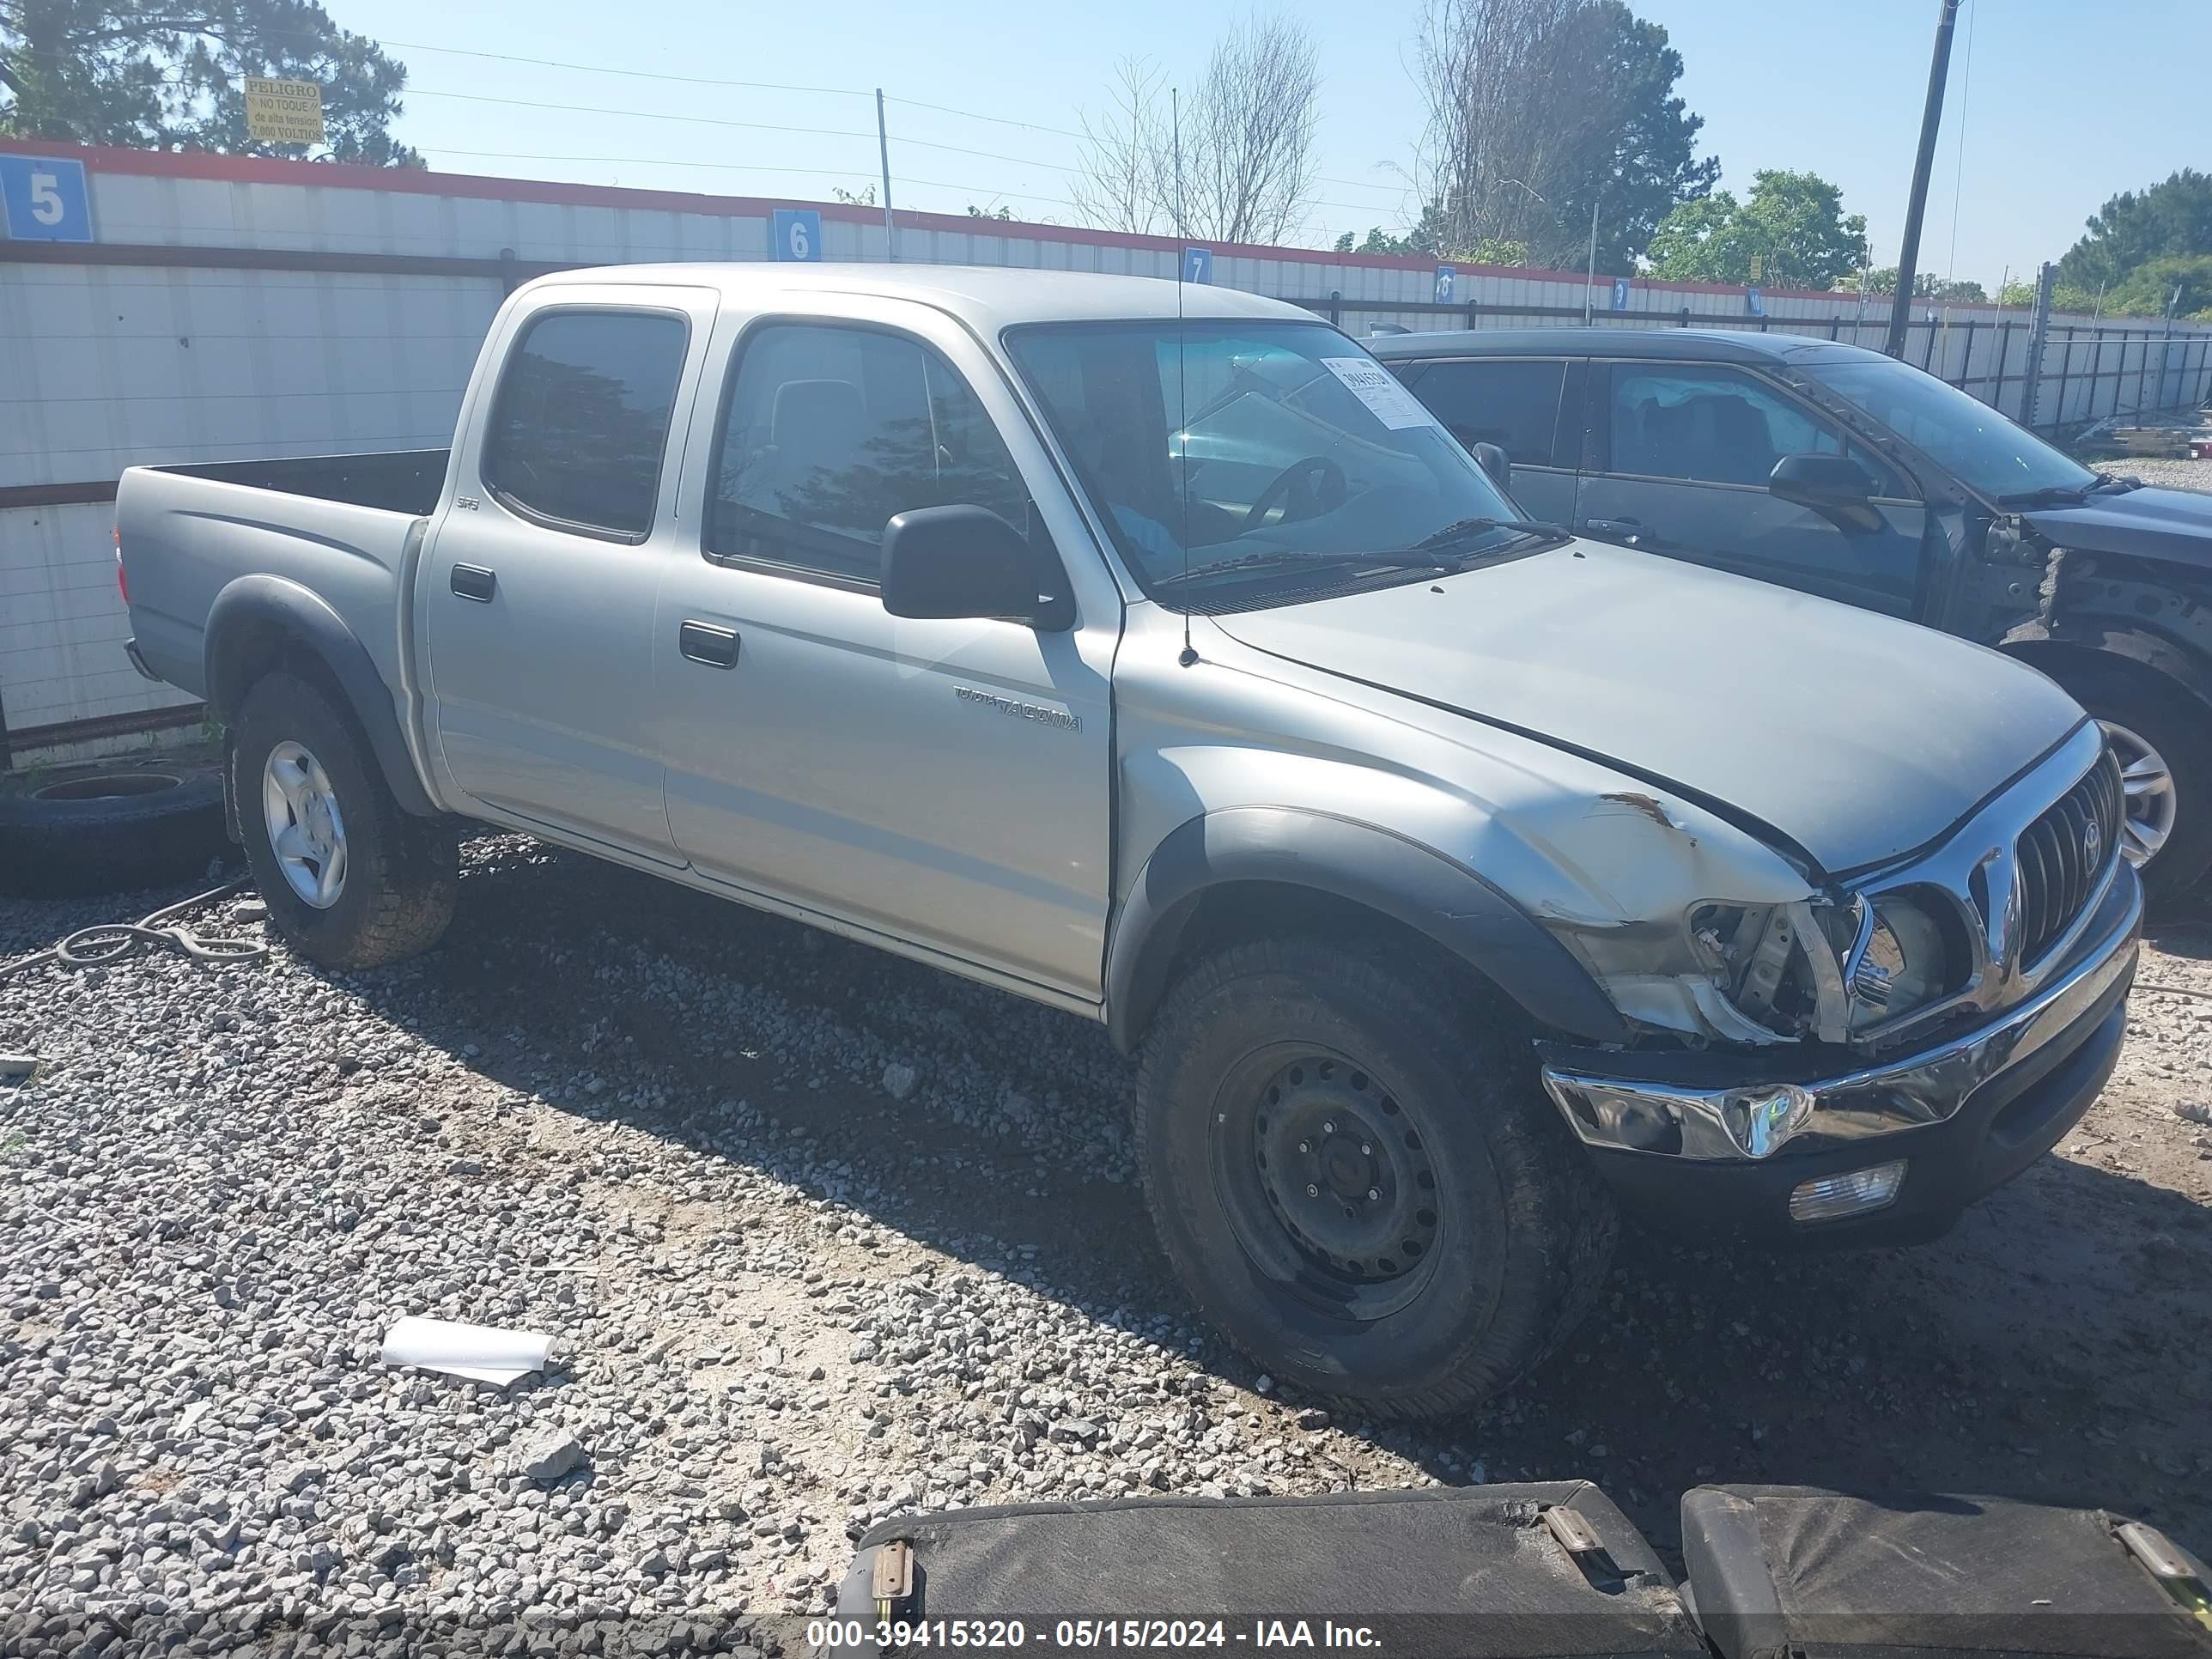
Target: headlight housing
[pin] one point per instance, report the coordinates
(1908, 954)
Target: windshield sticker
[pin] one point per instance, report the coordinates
(1376, 387)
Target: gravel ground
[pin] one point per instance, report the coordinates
(2169, 475)
(822, 1235)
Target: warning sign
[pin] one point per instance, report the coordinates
(284, 112)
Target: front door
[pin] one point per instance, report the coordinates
(1682, 456)
(1517, 404)
(944, 781)
(537, 592)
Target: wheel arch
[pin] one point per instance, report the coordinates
(2095, 647)
(1227, 866)
(261, 623)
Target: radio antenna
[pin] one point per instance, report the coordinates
(1182, 396)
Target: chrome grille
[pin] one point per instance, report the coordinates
(2063, 855)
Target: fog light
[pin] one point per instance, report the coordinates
(1846, 1195)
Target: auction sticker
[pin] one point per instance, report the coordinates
(1376, 387)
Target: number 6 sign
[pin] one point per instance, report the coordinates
(43, 199)
(795, 233)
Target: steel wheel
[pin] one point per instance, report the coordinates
(1325, 1180)
(2151, 805)
(306, 830)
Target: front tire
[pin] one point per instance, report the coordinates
(2164, 745)
(1359, 1180)
(350, 878)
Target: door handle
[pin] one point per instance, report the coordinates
(704, 642)
(473, 581)
(1629, 530)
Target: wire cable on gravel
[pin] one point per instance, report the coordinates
(112, 941)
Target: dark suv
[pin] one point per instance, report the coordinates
(1850, 475)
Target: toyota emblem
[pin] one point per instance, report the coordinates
(2093, 841)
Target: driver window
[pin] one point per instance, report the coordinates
(1712, 426)
(829, 432)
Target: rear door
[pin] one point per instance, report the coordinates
(538, 591)
(1678, 461)
(1527, 406)
(942, 782)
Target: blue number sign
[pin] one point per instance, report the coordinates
(1620, 294)
(1754, 302)
(1198, 264)
(795, 233)
(1444, 275)
(43, 199)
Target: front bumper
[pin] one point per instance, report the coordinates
(1719, 1142)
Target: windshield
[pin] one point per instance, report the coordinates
(1975, 444)
(1299, 461)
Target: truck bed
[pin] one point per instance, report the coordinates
(337, 529)
(396, 480)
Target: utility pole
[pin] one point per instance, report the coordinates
(883, 150)
(1590, 277)
(1931, 118)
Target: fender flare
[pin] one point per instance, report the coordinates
(1374, 868)
(307, 623)
(2099, 634)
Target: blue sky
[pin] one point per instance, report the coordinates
(2061, 103)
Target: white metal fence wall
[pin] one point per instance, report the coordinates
(231, 308)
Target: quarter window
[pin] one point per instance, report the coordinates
(581, 418)
(1715, 426)
(829, 433)
(1514, 404)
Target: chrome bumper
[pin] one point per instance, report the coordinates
(1742, 1121)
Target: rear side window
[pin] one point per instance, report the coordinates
(581, 418)
(828, 432)
(1714, 425)
(1514, 404)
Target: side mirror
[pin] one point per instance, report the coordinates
(1820, 481)
(959, 562)
(1493, 461)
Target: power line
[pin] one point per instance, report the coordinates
(823, 91)
(722, 121)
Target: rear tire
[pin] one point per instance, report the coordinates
(2158, 726)
(393, 892)
(110, 826)
(1436, 1231)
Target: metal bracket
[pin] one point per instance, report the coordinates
(892, 1577)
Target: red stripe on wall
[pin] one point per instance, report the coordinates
(338, 175)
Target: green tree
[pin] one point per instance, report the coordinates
(1792, 223)
(2169, 219)
(173, 77)
(1539, 108)
(1925, 286)
(1427, 239)
(2149, 290)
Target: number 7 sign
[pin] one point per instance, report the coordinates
(43, 199)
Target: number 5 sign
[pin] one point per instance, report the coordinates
(795, 233)
(43, 199)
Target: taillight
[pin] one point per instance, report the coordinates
(122, 577)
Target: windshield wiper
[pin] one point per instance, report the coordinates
(1411, 559)
(2113, 483)
(1467, 529)
(2049, 495)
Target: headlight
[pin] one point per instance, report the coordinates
(1901, 961)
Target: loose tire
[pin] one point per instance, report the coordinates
(2164, 743)
(1434, 1229)
(109, 826)
(356, 882)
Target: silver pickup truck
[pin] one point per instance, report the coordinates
(1153, 655)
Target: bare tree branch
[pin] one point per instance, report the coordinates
(1247, 162)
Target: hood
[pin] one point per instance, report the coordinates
(2173, 525)
(1858, 736)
